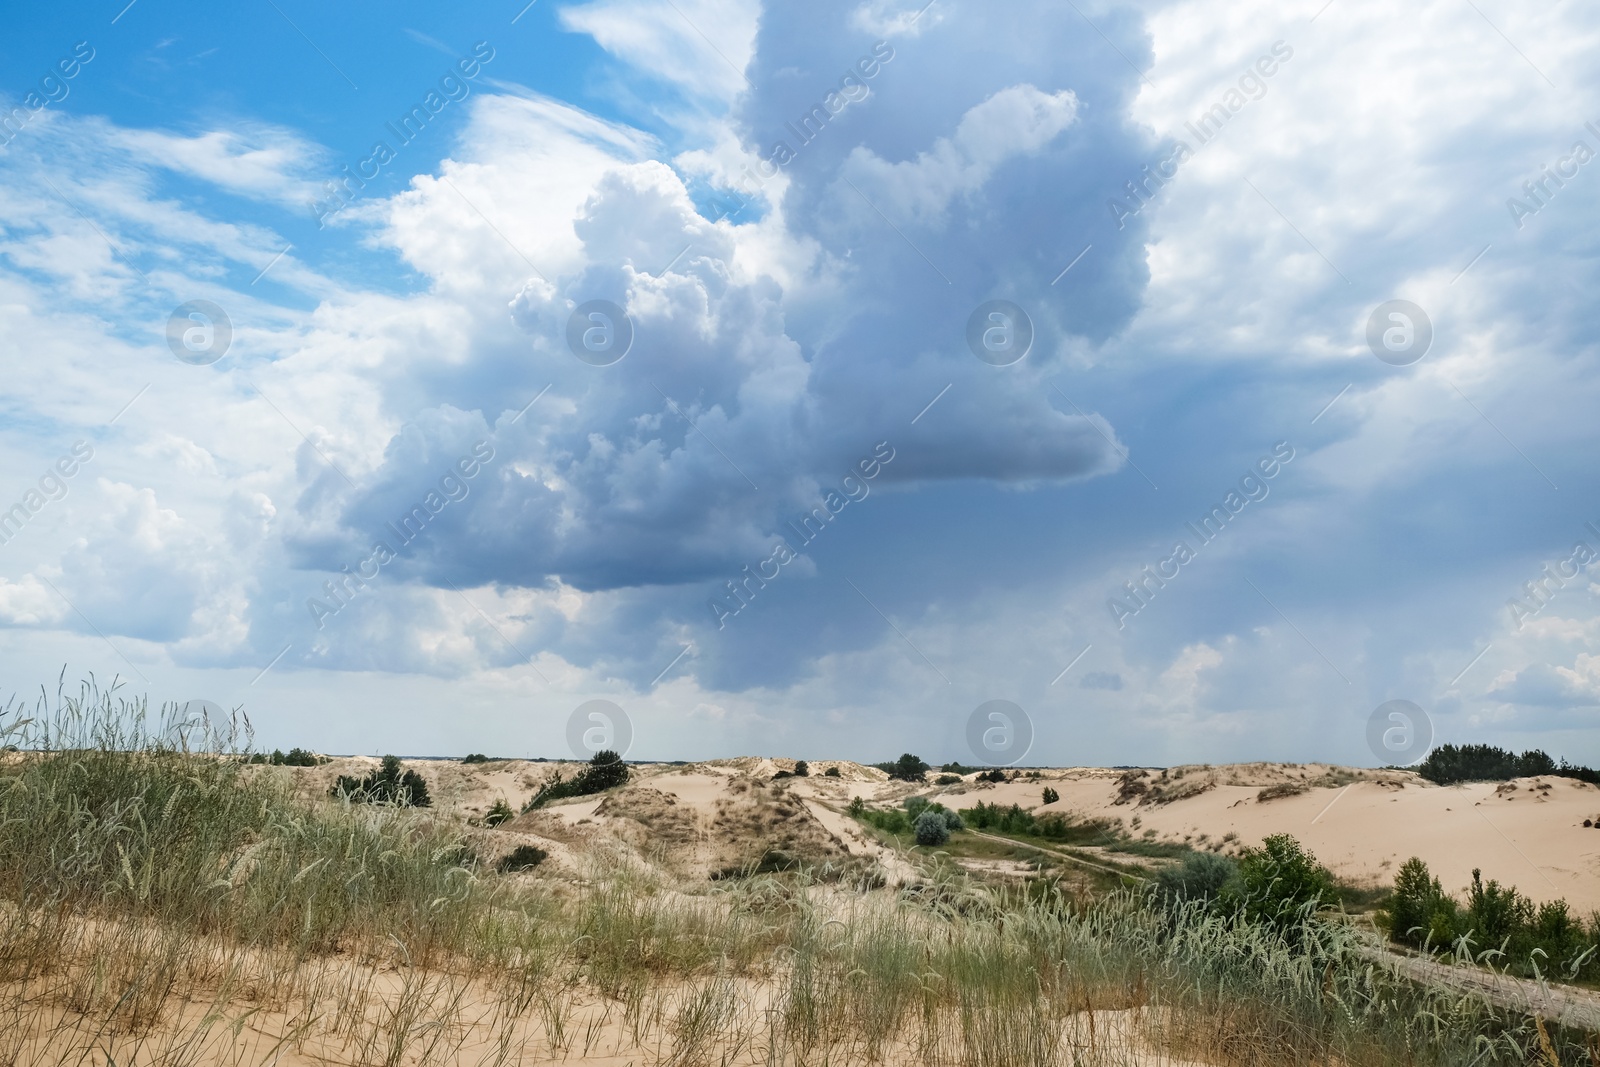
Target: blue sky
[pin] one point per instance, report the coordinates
(799, 300)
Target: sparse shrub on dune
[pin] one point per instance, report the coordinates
(1050, 796)
(389, 784)
(498, 813)
(605, 770)
(831, 772)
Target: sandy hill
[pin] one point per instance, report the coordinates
(721, 814)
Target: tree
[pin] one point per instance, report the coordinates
(909, 768)
(1050, 795)
(802, 769)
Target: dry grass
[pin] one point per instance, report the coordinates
(160, 905)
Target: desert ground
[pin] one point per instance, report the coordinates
(1362, 824)
(731, 912)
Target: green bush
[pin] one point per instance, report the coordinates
(947, 779)
(474, 757)
(1050, 795)
(499, 812)
(386, 785)
(906, 818)
(1201, 876)
(931, 828)
(1496, 920)
(521, 858)
(831, 772)
(802, 769)
(1280, 883)
(605, 771)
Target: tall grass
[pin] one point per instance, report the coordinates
(163, 902)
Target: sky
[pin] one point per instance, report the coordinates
(1195, 379)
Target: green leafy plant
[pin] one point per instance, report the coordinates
(831, 772)
(1280, 883)
(1050, 795)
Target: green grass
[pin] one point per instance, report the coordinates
(149, 873)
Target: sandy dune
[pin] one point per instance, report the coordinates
(1361, 823)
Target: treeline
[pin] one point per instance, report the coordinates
(1495, 924)
(296, 757)
(1449, 764)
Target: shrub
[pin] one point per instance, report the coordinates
(521, 858)
(1535, 940)
(802, 769)
(499, 812)
(1416, 898)
(474, 757)
(947, 779)
(1281, 883)
(605, 771)
(930, 828)
(1201, 876)
(389, 784)
(831, 772)
(1050, 795)
(994, 774)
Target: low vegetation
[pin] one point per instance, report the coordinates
(389, 784)
(1495, 925)
(604, 771)
(161, 904)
